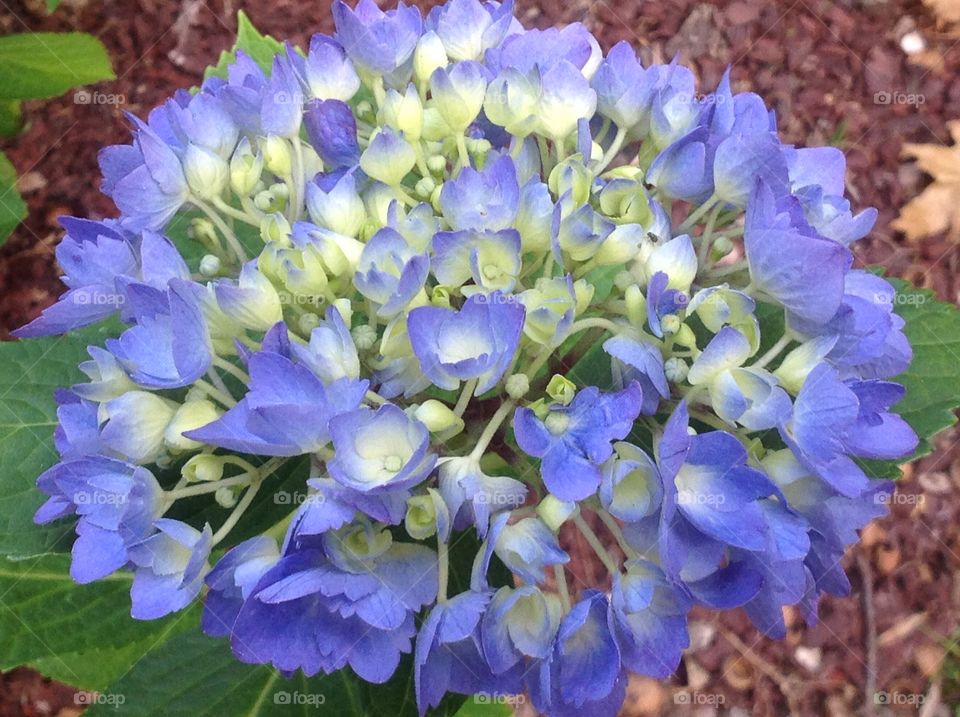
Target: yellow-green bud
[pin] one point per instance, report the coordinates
(276, 155)
(518, 385)
(245, 168)
(421, 518)
(584, 291)
(191, 415)
(438, 417)
(561, 389)
(428, 56)
(555, 512)
(203, 468)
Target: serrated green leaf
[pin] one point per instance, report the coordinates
(44, 614)
(95, 668)
(933, 379)
(30, 372)
(196, 676)
(13, 210)
(261, 48)
(39, 65)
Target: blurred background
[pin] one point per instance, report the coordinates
(876, 78)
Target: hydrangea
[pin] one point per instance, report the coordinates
(469, 278)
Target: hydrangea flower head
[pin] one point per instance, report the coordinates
(449, 276)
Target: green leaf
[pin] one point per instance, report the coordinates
(933, 379)
(44, 614)
(261, 48)
(95, 668)
(13, 210)
(30, 372)
(39, 65)
(485, 706)
(11, 121)
(52, 5)
(196, 676)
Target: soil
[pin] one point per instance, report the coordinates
(835, 73)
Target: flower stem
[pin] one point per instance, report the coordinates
(443, 569)
(213, 392)
(596, 545)
(465, 395)
(222, 226)
(698, 214)
(612, 151)
(562, 590)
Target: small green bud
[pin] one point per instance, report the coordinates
(676, 369)
(308, 322)
(245, 168)
(584, 291)
(210, 265)
(190, 415)
(425, 187)
(275, 228)
(207, 173)
(518, 385)
(438, 417)
(555, 512)
(437, 164)
(226, 497)
(685, 337)
(636, 305)
(440, 296)
(364, 337)
(670, 324)
(421, 518)
(561, 389)
(203, 468)
(721, 247)
(276, 155)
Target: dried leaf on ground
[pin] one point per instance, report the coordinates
(937, 208)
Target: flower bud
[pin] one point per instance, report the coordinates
(677, 259)
(437, 164)
(246, 166)
(421, 518)
(511, 102)
(276, 155)
(561, 389)
(226, 496)
(676, 369)
(253, 302)
(191, 415)
(428, 56)
(571, 175)
(584, 291)
(388, 158)
(364, 337)
(210, 265)
(275, 228)
(797, 365)
(438, 417)
(620, 246)
(207, 173)
(203, 468)
(517, 386)
(308, 322)
(555, 512)
(670, 324)
(550, 306)
(340, 209)
(403, 112)
(458, 94)
(636, 305)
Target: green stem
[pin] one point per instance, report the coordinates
(237, 513)
(443, 570)
(614, 528)
(465, 395)
(773, 351)
(222, 226)
(562, 590)
(698, 214)
(235, 371)
(236, 213)
(609, 563)
(612, 151)
(211, 487)
(707, 237)
(213, 392)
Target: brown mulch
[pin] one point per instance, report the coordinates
(820, 65)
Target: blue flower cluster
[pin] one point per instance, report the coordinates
(401, 238)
